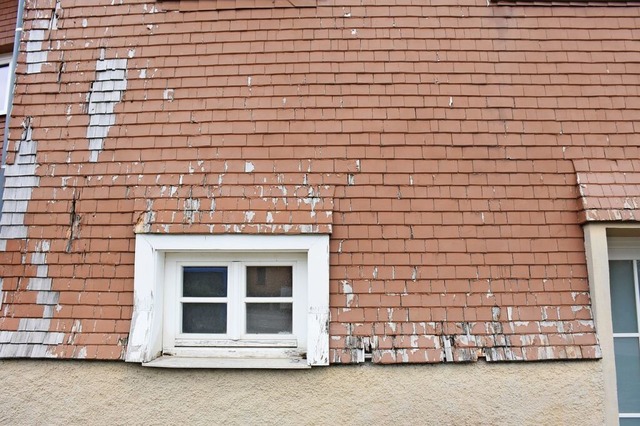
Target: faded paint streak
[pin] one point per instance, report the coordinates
(106, 91)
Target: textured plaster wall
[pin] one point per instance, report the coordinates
(76, 392)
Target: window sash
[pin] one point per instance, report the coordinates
(236, 301)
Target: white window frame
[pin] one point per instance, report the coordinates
(599, 250)
(153, 336)
(5, 60)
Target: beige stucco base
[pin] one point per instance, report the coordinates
(77, 392)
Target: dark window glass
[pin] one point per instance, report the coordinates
(627, 354)
(204, 318)
(207, 281)
(269, 318)
(269, 281)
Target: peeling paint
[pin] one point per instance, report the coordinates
(167, 95)
(191, 210)
(145, 220)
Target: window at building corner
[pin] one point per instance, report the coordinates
(230, 301)
(624, 274)
(5, 62)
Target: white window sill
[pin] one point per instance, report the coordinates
(201, 362)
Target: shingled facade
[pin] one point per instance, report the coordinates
(452, 155)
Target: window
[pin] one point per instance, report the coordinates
(613, 261)
(230, 301)
(5, 65)
(624, 275)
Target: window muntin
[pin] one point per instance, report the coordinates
(239, 300)
(624, 279)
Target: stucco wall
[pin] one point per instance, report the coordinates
(77, 392)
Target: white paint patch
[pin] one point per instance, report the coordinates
(82, 353)
(20, 179)
(248, 167)
(53, 24)
(33, 337)
(106, 91)
(306, 229)
(36, 56)
(167, 95)
(448, 354)
(151, 9)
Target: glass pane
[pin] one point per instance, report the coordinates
(628, 373)
(204, 281)
(629, 422)
(623, 297)
(4, 85)
(269, 281)
(204, 318)
(269, 318)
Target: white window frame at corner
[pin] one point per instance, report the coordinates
(5, 61)
(600, 249)
(155, 339)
